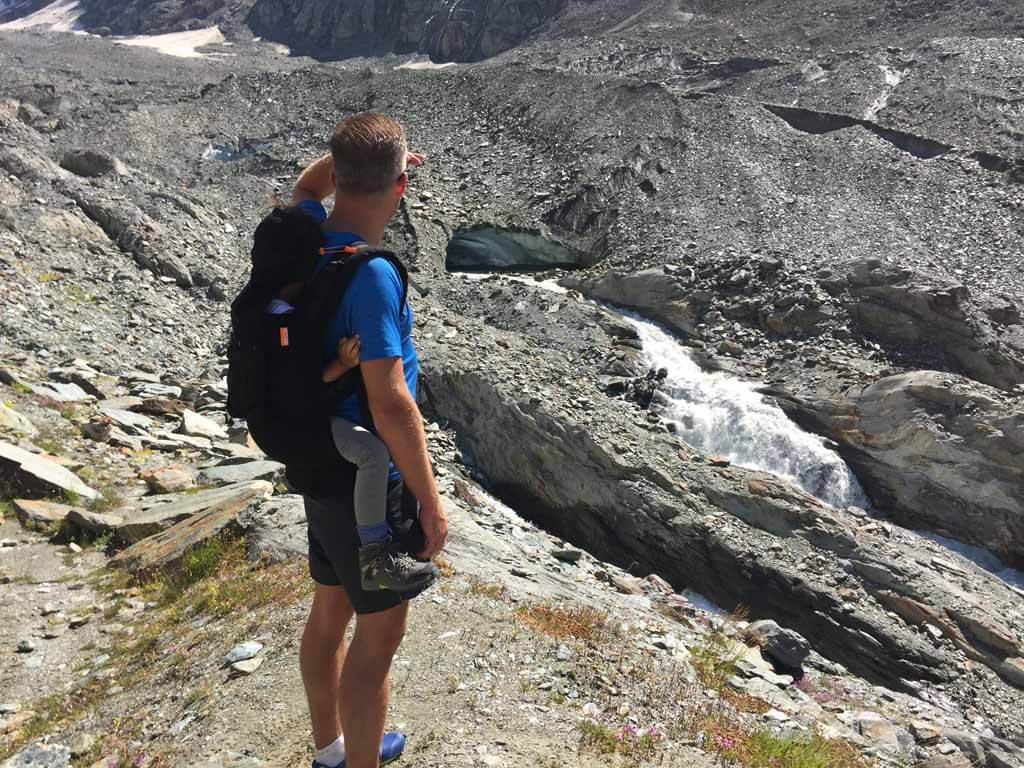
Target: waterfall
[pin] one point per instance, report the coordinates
(722, 415)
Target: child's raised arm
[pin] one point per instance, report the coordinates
(347, 359)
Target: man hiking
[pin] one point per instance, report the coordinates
(348, 690)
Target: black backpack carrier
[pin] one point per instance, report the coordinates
(276, 362)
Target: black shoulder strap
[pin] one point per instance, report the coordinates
(325, 291)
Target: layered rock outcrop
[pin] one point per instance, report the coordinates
(936, 450)
(901, 306)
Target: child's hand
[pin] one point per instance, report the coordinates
(348, 351)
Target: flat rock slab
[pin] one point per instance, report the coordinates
(133, 422)
(240, 472)
(26, 474)
(147, 391)
(236, 451)
(196, 425)
(62, 393)
(40, 512)
(126, 403)
(202, 516)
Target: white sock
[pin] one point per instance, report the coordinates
(333, 754)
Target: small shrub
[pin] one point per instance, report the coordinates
(597, 737)
(198, 563)
(54, 711)
(560, 622)
(110, 498)
(634, 743)
(760, 748)
(486, 589)
(47, 444)
(444, 568)
(198, 694)
(715, 660)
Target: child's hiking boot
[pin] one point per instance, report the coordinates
(383, 566)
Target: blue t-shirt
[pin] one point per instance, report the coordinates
(370, 310)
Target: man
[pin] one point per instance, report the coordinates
(348, 692)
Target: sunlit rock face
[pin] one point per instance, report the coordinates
(446, 30)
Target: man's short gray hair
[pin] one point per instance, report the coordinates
(369, 152)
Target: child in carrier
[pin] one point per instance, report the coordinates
(382, 565)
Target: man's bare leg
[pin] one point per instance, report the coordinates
(322, 658)
(365, 686)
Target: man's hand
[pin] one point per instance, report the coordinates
(415, 158)
(435, 530)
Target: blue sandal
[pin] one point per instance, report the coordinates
(391, 748)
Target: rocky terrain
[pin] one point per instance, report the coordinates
(822, 211)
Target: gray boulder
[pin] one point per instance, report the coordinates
(90, 163)
(12, 421)
(785, 648)
(275, 529)
(197, 425)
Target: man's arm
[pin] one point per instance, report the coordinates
(316, 182)
(398, 422)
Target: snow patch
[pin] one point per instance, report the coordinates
(425, 65)
(180, 44)
(60, 16)
(893, 77)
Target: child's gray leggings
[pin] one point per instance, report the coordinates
(368, 452)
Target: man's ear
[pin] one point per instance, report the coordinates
(401, 184)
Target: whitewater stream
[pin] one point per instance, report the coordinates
(722, 415)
